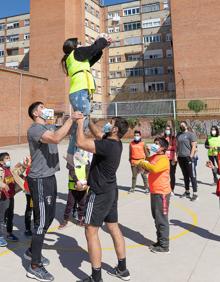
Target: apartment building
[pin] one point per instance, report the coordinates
(141, 56)
(14, 41)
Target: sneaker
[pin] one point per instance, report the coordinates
(3, 242)
(63, 225)
(28, 256)
(12, 238)
(185, 195)
(154, 245)
(158, 249)
(40, 274)
(131, 191)
(28, 233)
(89, 279)
(194, 198)
(123, 275)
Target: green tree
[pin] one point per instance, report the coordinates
(196, 106)
(158, 125)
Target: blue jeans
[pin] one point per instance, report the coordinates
(80, 101)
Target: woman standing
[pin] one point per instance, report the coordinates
(212, 143)
(171, 154)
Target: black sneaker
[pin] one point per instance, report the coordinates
(194, 198)
(40, 274)
(89, 279)
(185, 195)
(154, 245)
(28, 233)
(123, 275)
(12, 238)
(158, 249)
(28, 256)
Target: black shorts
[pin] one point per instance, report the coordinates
(101, 208)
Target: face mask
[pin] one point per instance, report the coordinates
(47, 114)
(182, 128)
(8, 164)
(107, 128)
(167, 132)
(137, 138)
(213, 132)
(154, 148)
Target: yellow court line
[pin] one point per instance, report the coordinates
(188, 211)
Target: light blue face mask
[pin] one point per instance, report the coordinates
(154, 148)
(8, 164)
(46, 114)
(107, 128)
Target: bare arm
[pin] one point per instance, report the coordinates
(54, 137)
(193, 150)
(82, 141)
(97, 133)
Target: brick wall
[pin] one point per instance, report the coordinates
(17, 91)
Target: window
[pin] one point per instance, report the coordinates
(97, 28)
(2, 53)
(13, 65)
(115, 59)
(2, 39)
(155, 86)
(116, 43)
(92, 26)
(110, 15)
(118, 74)
(86, 7)
(134, 72)
(153, 71)
(12, 25)
(152, 38)
(92, 40)
(151, 8)
(92, 11)
(26, 36)
(132, 40)
(110, 29)
(117, 29)
(2, 26)
(86, 22)
(151, 23)
(168, 37)
(169, 53)
(153, 54)
(13, 38)
(131, 11)
(133, 57)
(12, 52)
(26, 22)
(167, 21)
(166, 5)
(132, 88)
(132, 26)
(97, 14)
(170, 69)
(171, 86)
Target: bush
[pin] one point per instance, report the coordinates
(196, 105)
(133, 121)
(158, 126)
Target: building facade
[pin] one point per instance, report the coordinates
(141, 56)
(15, 41)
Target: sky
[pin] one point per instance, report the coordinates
(14, 7)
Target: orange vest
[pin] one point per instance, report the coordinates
(159, 183)
(137, 152)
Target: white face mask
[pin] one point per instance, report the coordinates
(213, 132)
(167, 132)
(47, 114)
(137, 138)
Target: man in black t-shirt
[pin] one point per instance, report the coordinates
(102, 199)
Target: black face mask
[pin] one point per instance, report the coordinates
(182, 128)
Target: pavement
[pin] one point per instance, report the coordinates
(194, 233)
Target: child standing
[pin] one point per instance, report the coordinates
(159, 183)
(76, 64)
(77, 185)
(5, 164)
(3, 206)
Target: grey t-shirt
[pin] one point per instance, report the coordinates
(45, 158)
(184, 143)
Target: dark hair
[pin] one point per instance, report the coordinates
(217, 130)
(122, 126)
(137, 132)
(171, 131)
(163, 142)
(32, 108)
(186, 124)
(3, 155)
(69, 45)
